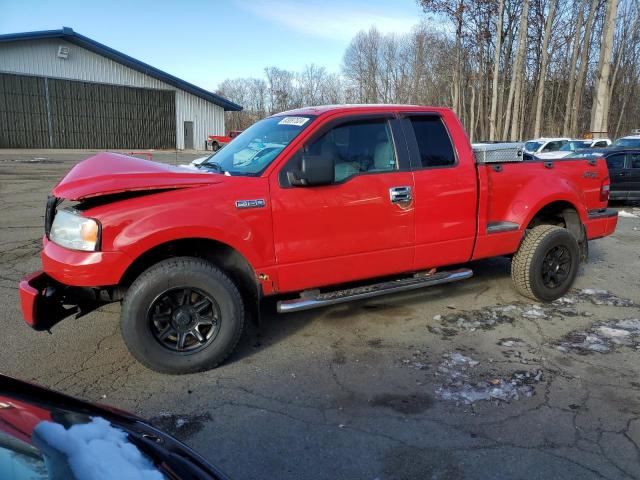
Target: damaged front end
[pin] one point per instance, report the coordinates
(46, 302)
(80, 273)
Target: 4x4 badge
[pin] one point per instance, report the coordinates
(259, 203)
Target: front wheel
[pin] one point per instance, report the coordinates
(546, 264)
(182, 315)
(215, 146)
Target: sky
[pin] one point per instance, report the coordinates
(205, 42)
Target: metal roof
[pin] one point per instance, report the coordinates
(70, 36)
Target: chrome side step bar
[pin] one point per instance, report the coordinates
(314, 299)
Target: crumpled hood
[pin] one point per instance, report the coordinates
(109, 173)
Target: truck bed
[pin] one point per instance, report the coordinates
(509, 195)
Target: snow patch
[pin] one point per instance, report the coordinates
(458, 386)
(602, 337)
(98, 451)
(625, 214)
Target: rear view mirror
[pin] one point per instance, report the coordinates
(315, 170)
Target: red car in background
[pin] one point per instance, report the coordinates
(216, 142)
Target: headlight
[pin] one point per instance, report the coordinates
(74, 231)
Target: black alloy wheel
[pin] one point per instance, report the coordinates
(184, 319)
(556, 266)
(182, 315)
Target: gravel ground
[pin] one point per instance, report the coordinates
(467, 380)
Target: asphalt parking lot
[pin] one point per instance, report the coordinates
(467, 380)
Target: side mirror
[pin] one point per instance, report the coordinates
(315, 170)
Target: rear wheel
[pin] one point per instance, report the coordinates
(546, 264)
(182, 315)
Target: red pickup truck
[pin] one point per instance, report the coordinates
(216, 142)
(333, 203)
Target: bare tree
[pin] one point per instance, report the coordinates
(516, 77)
(600, 122)
(496, 73)
(543, 66)
(582, 72)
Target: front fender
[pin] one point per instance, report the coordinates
(141, 236)
(137, 225)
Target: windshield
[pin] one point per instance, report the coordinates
(532, 146)
(254, 149)
(627, 142)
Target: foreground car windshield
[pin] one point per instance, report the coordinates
(254, 149)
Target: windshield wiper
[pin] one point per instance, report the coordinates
(212, 166)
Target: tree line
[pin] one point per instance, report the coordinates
(511, 69)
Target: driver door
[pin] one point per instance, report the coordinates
(362, 225)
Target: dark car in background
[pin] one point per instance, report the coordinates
(624, 170)
(45, 435)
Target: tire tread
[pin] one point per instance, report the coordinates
(521, 261)
(165, 267)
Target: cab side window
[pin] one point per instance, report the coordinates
(634, 160)
(434, 144)
(357, 147)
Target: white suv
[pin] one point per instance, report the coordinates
(573, 145)
(542, 145)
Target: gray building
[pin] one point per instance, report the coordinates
(60, 89)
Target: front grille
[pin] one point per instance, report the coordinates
(50, 213)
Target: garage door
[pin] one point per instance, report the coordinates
(57, 113)
(23, 112)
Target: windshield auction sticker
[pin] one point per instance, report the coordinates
(297, 121)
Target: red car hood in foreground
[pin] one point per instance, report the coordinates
(109, 173)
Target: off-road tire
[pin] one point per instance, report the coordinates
(181, 272)
(527, 263)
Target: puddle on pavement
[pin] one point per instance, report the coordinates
(407, 404)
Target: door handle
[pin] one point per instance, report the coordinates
(400, 194)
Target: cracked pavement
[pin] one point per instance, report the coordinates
(351, 391)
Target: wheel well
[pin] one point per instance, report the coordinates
(562, 214)
(220, 254)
